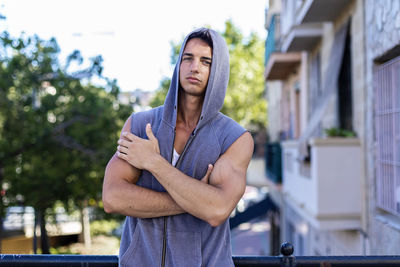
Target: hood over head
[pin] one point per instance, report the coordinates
(216, 86)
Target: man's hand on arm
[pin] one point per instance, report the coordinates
(138, 151)
(121, 194)
(212, 201)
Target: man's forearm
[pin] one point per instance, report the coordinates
(200, 199)
(213, 201)
(132, 200)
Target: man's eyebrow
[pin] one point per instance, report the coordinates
(207, 58)
(191, 55)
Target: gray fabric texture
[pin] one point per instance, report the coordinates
(189, 241)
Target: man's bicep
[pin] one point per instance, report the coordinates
(229, 172)
(120, 169)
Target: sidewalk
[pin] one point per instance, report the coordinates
(251, 238)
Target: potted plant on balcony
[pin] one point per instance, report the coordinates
(338, 132)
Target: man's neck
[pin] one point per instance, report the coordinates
(189, 110)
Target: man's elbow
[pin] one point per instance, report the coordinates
(215, 222)
(218, 218)
(107, 208)
(108, 202)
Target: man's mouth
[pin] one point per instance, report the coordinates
(193, 79)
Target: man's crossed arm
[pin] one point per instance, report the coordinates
(212, 198)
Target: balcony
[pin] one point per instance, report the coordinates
(299, 34)
(302, 37)
(281, 65)
(320, 10)
(278, 65)
(327, 190)
(272, 42)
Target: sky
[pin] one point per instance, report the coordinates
(132, 36)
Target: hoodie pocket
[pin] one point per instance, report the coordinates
(125, 257)
(183, 249)
(144, 249)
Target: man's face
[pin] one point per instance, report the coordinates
(195, 67)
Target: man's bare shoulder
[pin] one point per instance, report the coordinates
(245, 140)
(242, 148)
(127, 126)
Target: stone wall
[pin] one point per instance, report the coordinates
(382, 20)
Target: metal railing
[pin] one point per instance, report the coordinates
(252, 212)
(387, 127)
(272, 41)
(287, 259)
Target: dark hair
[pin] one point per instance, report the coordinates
(203, 34)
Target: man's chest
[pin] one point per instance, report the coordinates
(181, 138)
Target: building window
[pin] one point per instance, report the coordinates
(345, 104)
(387, 134)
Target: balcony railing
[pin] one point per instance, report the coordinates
(335, 166)
(287, 259)
(273, 162)
(272, 42)
(320, 10)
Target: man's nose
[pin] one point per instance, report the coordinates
(194, 67)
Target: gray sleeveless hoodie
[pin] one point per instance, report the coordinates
(184, 240)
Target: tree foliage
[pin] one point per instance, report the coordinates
(57, 129)
(244, 101)
(161, 93)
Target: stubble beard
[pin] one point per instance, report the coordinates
(192, 92)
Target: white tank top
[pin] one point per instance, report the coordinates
(175, 158)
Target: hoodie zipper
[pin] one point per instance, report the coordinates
(165, 218)
(164, 242)
(164, 248)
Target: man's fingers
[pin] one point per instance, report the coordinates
(121, 155)
(149, 133)
(129, 136)
(151, 136)
(208, 173)
(209, 169)
(122, 149)
(123, 142)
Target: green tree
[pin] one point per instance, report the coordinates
(244, 101)
(161, 93)
(57, 129)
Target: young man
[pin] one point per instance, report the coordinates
(180, 169)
